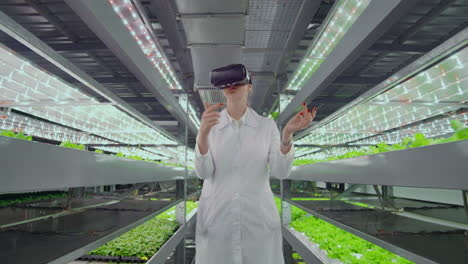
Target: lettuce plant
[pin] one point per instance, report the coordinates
(418, 140)
(338, 243)
(19, 135)
(145, 240)
(68, 144)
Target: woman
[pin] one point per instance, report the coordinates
(237, 219)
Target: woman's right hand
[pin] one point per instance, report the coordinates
(210, 117)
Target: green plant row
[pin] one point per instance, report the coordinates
(145, 240)
(19, 135)
(419, 140)
(68, 144)
(9, 199)
(338, 243)
(325, 199)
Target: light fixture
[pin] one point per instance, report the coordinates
(132, 20)
(46, 130)
(135, 25)
(132, 151)
(29, 89)
(345, 14)
(440, 89)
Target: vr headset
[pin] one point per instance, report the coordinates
(233, 74)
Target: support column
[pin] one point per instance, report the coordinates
(181, 185)
(286, 218)
(465, 200)
(387, 192)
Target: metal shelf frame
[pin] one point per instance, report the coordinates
(436, 166)
(29, 166)
(306, 254)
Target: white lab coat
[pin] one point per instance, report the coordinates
(237, 220)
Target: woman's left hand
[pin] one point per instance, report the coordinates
(301, 120)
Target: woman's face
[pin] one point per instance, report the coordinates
(236, 93)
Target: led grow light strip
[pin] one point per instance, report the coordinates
(430, 129)
(328, 153)
(444, 82)
(128, 13)
(41, 129)
(193, 116)
(132, 152)
(21, 81)
(301, 151)
(343, 17)
(106, 121)
(134, 24)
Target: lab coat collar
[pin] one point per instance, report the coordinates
(251, 118)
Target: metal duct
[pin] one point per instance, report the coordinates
(215, 33)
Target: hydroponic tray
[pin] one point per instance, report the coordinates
(455, 214)
(415, 240)
(424, 167)
(329, 205)
(448, 212)
(400, 203)
(61, 203)
(63, 239)
(10, 215)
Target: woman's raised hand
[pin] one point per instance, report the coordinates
(301, 120)
(210, 117)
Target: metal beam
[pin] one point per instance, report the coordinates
(47, 14)
(374, 21)
(436, 10)
(407, 48)
(359, 80)
(19, 33)
(347, 192)
(166, 14)
(107, 25)
(110, 80)
(303, 18)
(66, 47)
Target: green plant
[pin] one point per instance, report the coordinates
(68, 144)
(19, 135)
(9, 199)
(274, 115)
(145, 240)
(418, 140)
(338, 243)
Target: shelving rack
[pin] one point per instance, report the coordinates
(131, 77)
